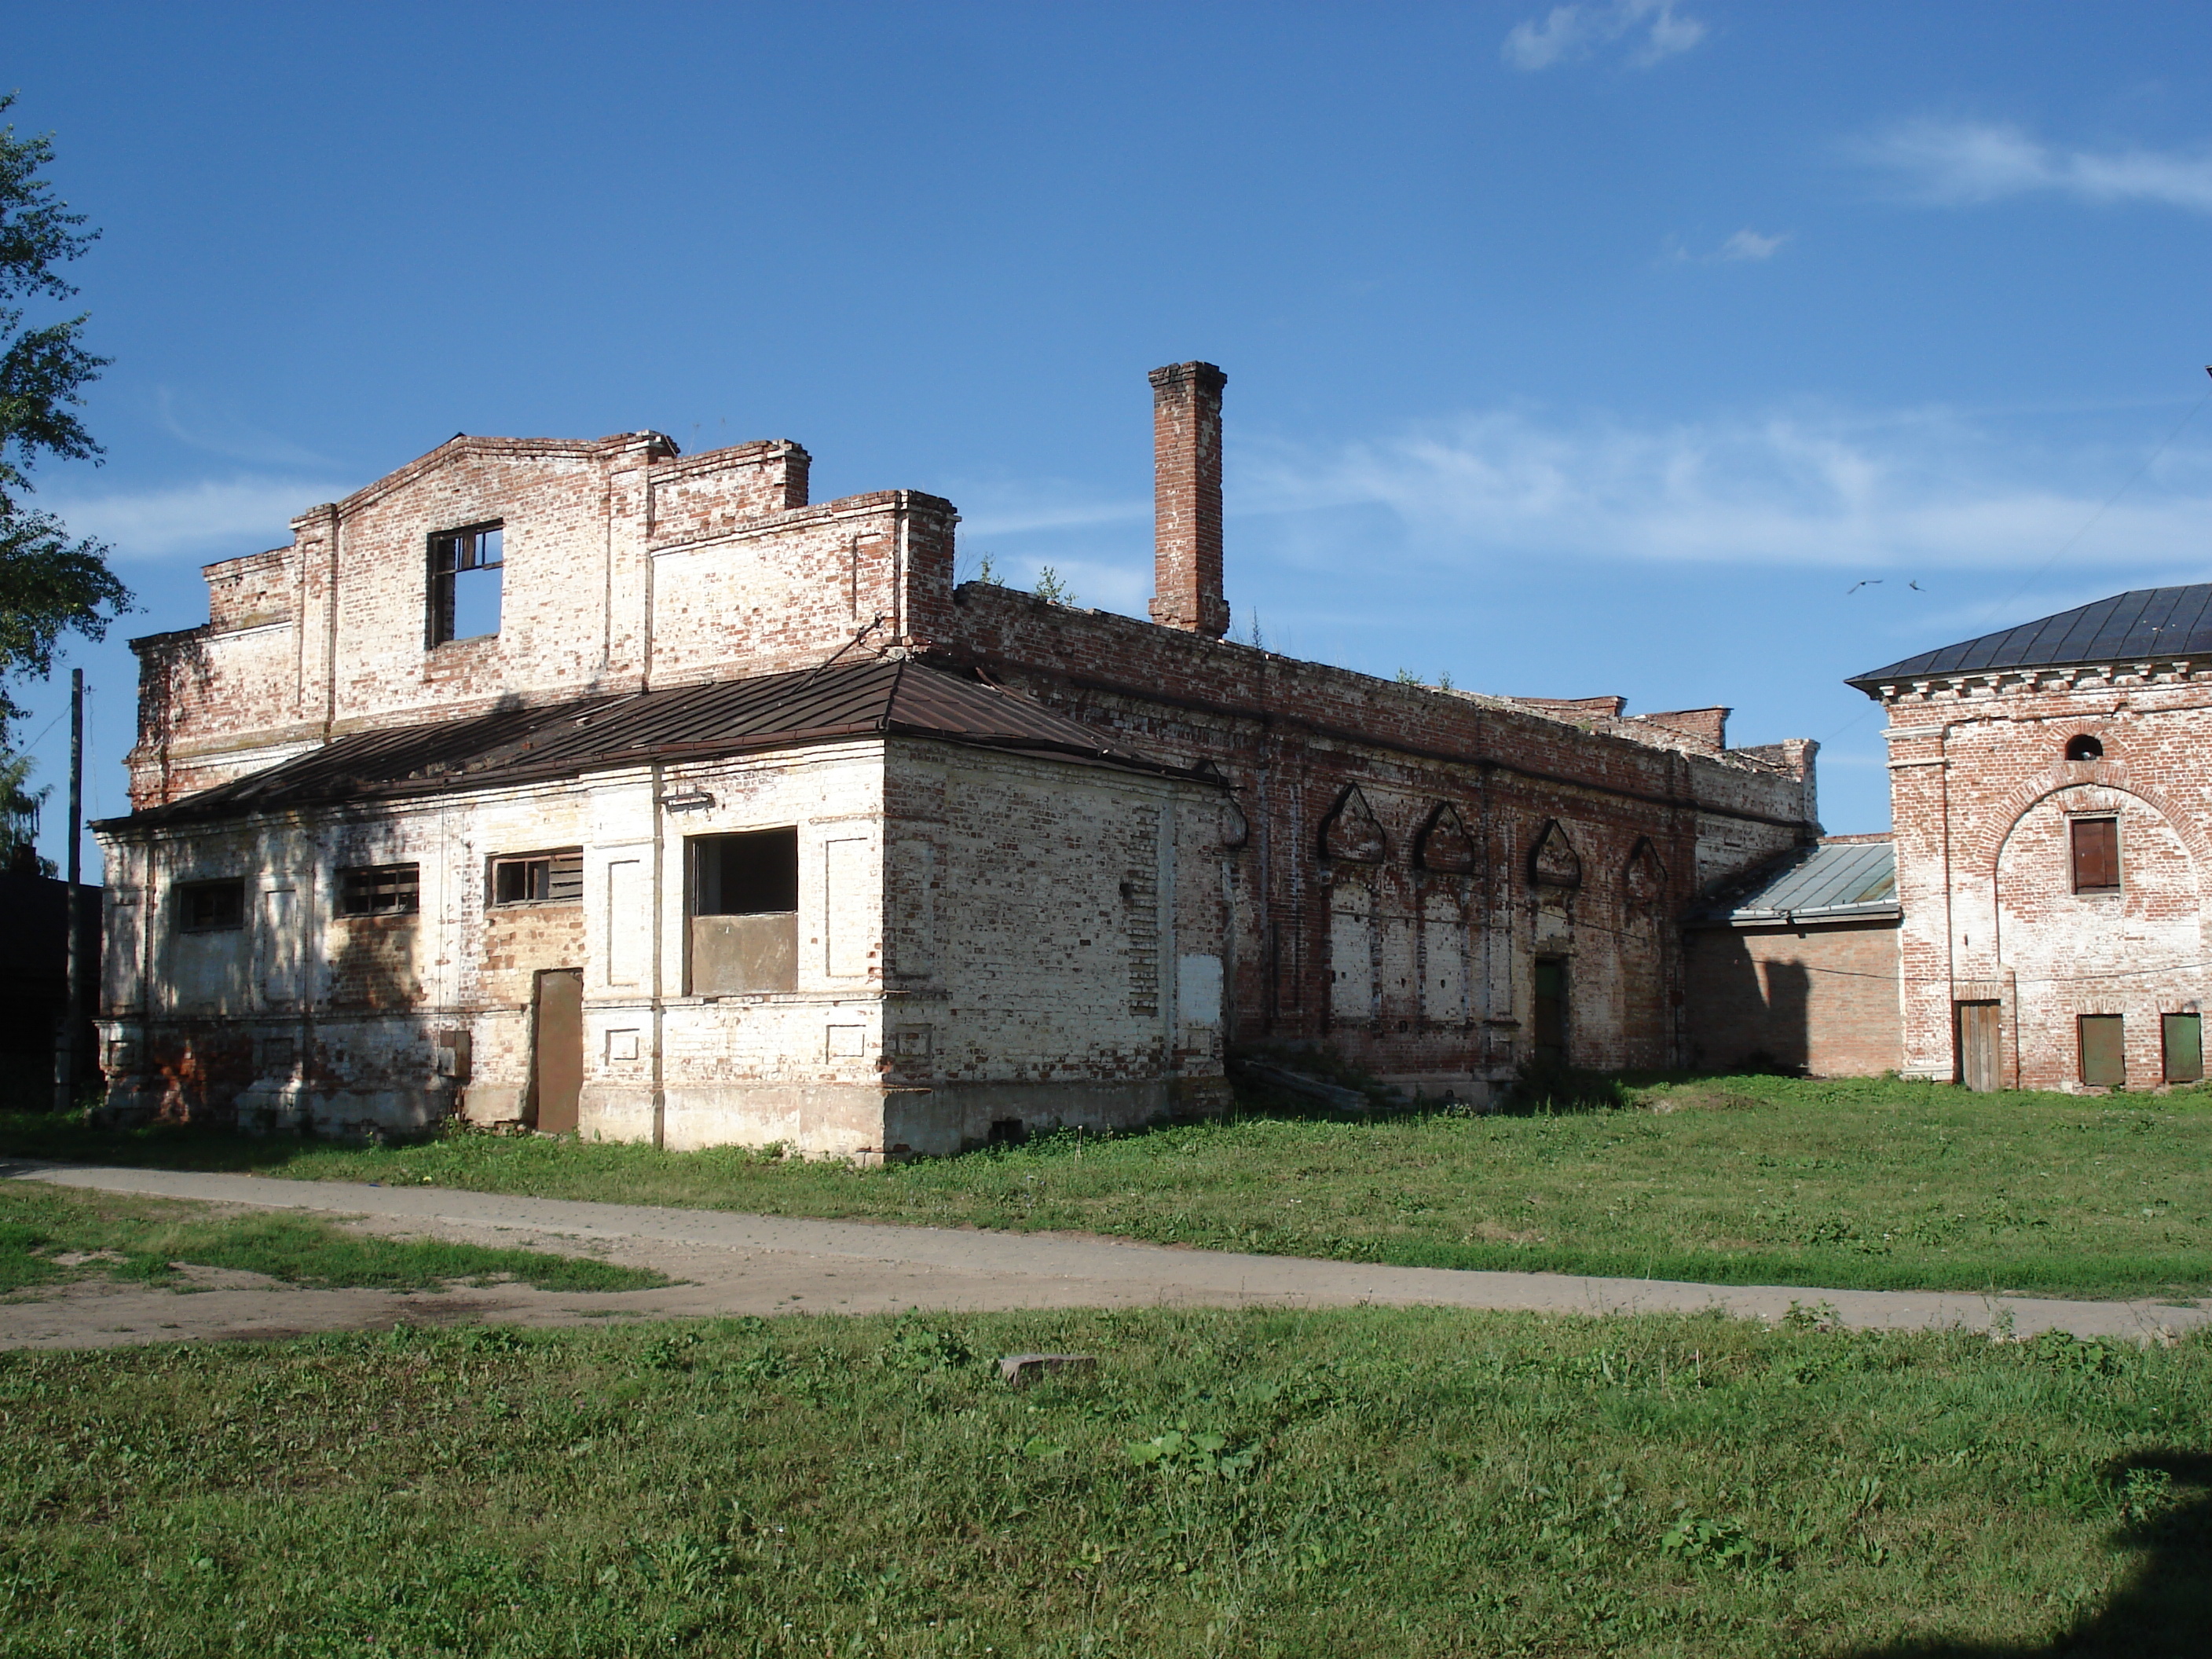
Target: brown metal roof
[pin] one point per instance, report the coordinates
(690, 722)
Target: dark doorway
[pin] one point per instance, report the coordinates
(1549, 1023)
(557, 1051)
(1980, 1058)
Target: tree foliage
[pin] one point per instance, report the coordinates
(50, 583)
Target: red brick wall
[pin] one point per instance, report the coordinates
(1817, 997)
(1982, 796)
(1290, 737)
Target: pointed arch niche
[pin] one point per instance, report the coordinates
(1443, 843)
(1351, 833)
(1552, 861)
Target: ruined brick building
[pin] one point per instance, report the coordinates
(602, 787)
(2052, 812)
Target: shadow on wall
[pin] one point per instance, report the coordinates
(2162, 1607)
(1746, 1013)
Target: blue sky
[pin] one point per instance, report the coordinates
(1572, 349)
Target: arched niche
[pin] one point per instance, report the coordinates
(1351, 834)
(1552, 861)
(1443, 844)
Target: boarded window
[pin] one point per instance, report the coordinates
(2096, 855)
(211, 907)
(1550, 1033)
(2104, 1050)
(466, 569)
(376, 889)
(745, 912)
(2184, 1035)
(555, 877)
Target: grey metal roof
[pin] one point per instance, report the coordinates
(689, 722)
(1829, 881)
(2137, 626)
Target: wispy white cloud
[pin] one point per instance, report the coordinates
(1908, 494)
(221, 432)
(214, 517)
(1954, 162)
(1746, 244)
(1570, 32)
(998, 512)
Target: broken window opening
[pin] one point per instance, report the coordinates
(2104, 1051)
(380, 890)
(466, 569)
(211, 907)
(2084, 748)
(2096, 855)
(743, 918)
(555, 877)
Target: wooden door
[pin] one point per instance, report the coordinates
(2104, 1050)
(557, 1051)
(2183, 1041)
(1980, 1066)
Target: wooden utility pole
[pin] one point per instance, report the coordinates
(65, 1052)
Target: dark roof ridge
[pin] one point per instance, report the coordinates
(2139, 625)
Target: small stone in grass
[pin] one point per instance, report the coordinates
(1020, 1370)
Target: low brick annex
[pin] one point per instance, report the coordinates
(857, 940)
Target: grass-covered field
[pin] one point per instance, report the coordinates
(50, 1235)
(1388, 1482)
(1863, 1183)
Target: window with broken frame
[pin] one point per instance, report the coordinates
(380, 890)
(211, 907)
(526, 878)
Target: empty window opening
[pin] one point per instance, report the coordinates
(211, 907)
(2104, 1051)
(2183, 1039)
(2084, 748)
(1008, 1131)
(1550, 1033)
(465, 572)
(745, 912)
(555, 877)
(2096, 855)
(380, 890)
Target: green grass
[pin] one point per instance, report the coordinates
(1861, 1183)
(141, 1238)
(1387, 1482)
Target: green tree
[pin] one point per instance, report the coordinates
(50, 583)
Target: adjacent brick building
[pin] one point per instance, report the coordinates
(2052, 815)
(597, 786)
(1793, 966)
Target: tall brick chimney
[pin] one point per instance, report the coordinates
(1186, 499)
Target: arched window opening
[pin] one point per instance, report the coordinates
(2084, 748)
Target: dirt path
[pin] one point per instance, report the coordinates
(750, 1264)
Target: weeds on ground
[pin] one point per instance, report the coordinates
(50, 1235)
(1868, 1183)
(1356, 1482)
